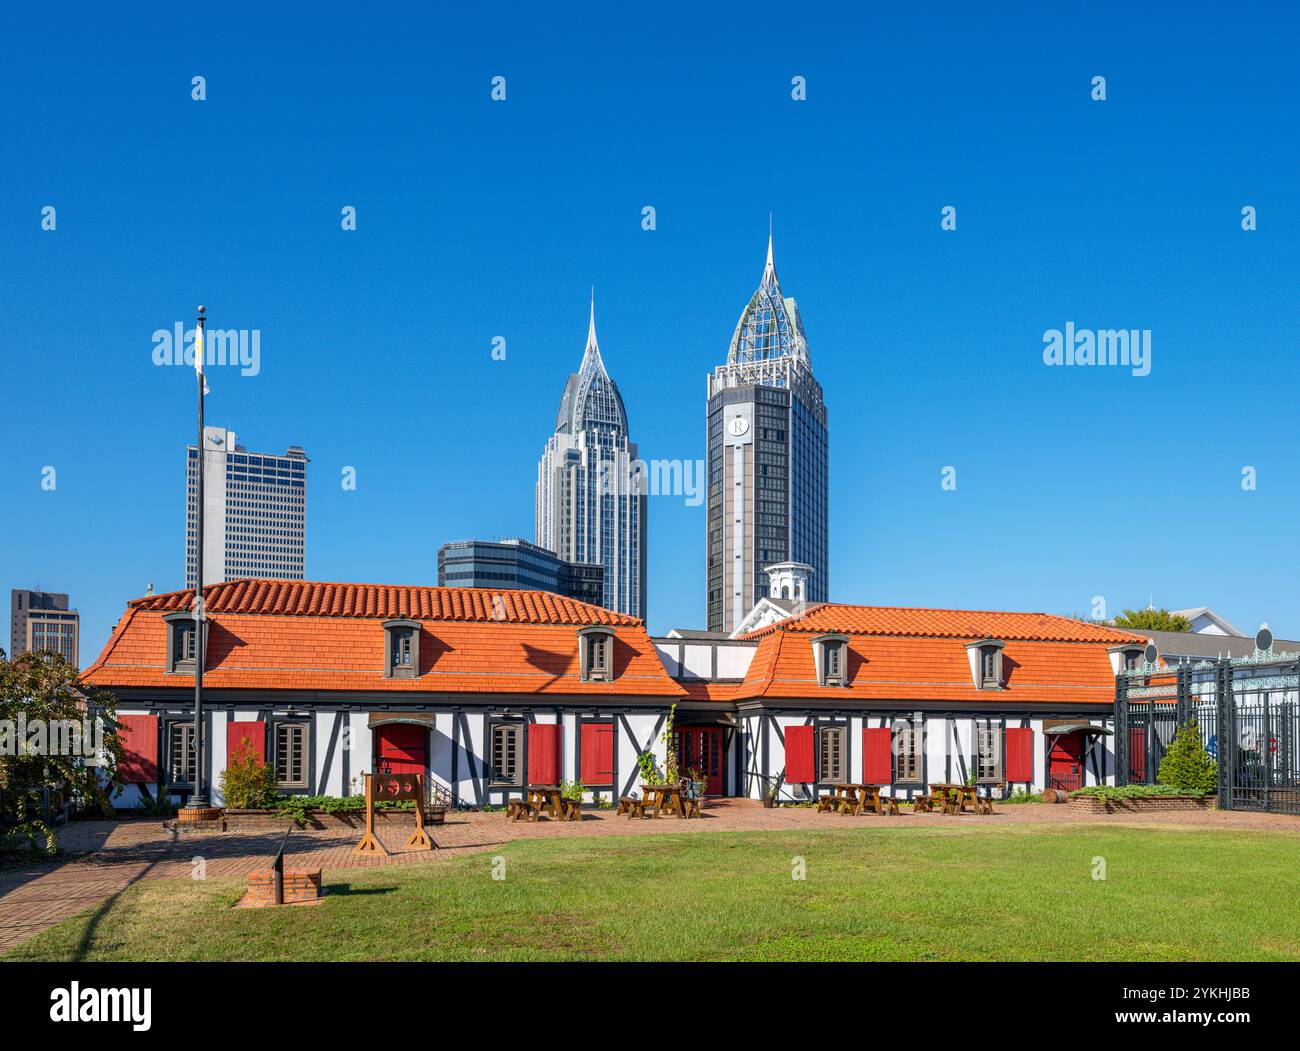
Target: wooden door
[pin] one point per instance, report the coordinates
(1065, 762)
(401, 748)
(700, 748)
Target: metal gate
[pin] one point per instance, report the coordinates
(1248, 711)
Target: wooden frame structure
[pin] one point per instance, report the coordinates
(394, 787)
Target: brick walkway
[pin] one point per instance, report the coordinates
(102, 858)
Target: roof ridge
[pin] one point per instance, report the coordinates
(421, 601)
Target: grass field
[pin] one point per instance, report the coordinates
(1010, 894)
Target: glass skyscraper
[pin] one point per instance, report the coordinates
(517, 564)
(768, 458)
(255, 523)
(590, 501)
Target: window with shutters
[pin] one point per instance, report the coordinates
(988, 755)
(907, 754)
(180, 754)
(832, 765)
(506, 753)
(291, 754)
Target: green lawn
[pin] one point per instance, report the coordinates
(1010, 894)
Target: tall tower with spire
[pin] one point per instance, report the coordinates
(591, 504)
(768, 458)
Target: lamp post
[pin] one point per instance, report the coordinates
(199, 799)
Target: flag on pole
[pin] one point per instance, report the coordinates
(199, 355)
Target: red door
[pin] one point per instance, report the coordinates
(700, 748)
(401, 748)
(1065, 761)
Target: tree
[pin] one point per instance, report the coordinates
(1187, 766)
(48, 740)
(1152, 620)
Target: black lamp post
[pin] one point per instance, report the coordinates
(199, 799)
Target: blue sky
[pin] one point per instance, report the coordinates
(479, 219)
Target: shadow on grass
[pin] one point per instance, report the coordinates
(346, 890)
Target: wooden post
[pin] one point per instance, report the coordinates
(419, 839)
(370, 842)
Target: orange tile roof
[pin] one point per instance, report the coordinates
(900, 655)
(947, 623)
(297, 635)
(307, 598)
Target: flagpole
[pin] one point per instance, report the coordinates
(199, 799)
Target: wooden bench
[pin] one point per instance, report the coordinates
(888, 805)
(635, 807)
(825, 804)
(571, 809)
(625, 804)
(691, 806)
(984, 804)
(522, 808)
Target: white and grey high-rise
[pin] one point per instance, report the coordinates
(255, 519)
(590, 501)
(768, 459)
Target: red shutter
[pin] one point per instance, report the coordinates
(139, 735)
(877, 755)
(1020, 755)
(597, 749)
(544, 754)
(799, 755)
(252, 732)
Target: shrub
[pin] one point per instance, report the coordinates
(1187, 766)
(247, 783)
(1135, 791)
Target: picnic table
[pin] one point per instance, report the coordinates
(954, 797)
(538, 800)
(856, 798)
(665, 797)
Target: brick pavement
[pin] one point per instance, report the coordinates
(101, 858)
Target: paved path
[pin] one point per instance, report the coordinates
(102, 858)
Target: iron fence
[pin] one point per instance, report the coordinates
(1247, 710)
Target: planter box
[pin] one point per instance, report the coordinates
(1139, 804)
(262, 820)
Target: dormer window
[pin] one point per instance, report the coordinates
(1126, 658)
(180, 643)
(986, 663)
(403, 649)
(832, 655)
(596, 654)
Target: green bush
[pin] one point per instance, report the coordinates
(1187, 766)
(1021, 796)
(1135, 791)
(247, 783)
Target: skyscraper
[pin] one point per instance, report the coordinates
(590, 503)
(41, 620)
(768, 457)
(256, 519)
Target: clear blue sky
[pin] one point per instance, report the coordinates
(479, 219)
